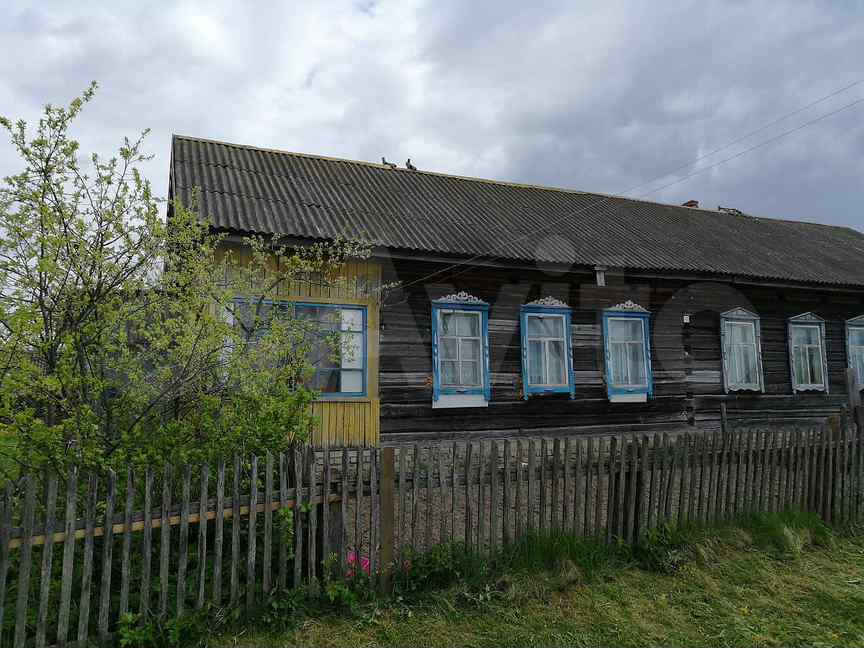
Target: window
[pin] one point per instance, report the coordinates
(742, 354)
(460, 353)
(547, 366)
(338, 345)
(855, 346)
(807, 353)
(628, 353)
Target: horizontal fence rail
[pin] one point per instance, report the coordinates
(78, 552)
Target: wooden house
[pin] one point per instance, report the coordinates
(534, 310)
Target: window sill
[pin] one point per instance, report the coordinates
(446, 401)
(628, 398)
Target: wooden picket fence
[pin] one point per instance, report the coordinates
(163, 542)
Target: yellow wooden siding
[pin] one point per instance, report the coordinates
(343, 420)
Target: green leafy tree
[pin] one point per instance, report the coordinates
(120, 337)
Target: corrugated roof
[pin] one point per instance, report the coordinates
(248, 189)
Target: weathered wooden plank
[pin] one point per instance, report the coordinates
(684, 483)
(481, 495)
(711, 503)
(126, 557)
(670, 478)
(47, 560)
(587, 528)
(183, 545)
(578, 495)
(468, 452)
(652, 481)
(632, 488)
(493, 497)
(387, 513)
(107, 552)
(24, 556)
(146, 544)
(430, 469)
(235, 534)
(620, 487)
(203, 492)
(599, 491)
(555, 523)
(772, 471)
(298, 517)
(519, 508)
(749, 491)
(610, 490)
(442, 499)
(312, 564)
(165, 542)
(415, 496)
(358, 502)
(566, 513)
(375, 513)
(402, 502)
(531, 491)
(453, 492)
(252, 534)
(343, 502)
(87, 564)
(5, 530)
(542, 513)
(267, 559)
(218, 530)
(506, 533)
(67, 573)
(659, 472)
(738, 490)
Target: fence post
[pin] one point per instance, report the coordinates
(388, 457)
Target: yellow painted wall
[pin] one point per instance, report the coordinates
(343, 420)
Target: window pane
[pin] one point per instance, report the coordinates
(636, 361)
(536, 368)
(556, 363)
(326, 381)
(352, 320)
(449, 373)
(814, 363)
(802, 375)
(448, 324)
(618, 353)
(625, 330)
(856, 336)
(748, 365)
(352, 381)
(470, 350)
(352, 350)
(858, 363)
(470, 373)
(548, 326)
(468, 324)
(742, 333)
(449, 348)
(805, 335)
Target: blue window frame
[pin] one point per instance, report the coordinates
(808, 362)
(855, 347)
(341, 372)
(460, 347)
(547, 354)
(627, 345)
(741, 342)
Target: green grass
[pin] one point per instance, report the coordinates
(773, 580)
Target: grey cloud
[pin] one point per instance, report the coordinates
(601, 96)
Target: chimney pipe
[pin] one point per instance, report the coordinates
(691, 203)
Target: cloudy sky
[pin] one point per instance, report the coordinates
(605, 95)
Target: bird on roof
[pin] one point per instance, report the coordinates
(384, 161)
(410, 166)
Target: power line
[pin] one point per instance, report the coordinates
(607, 199)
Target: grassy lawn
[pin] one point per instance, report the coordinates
(729, 589)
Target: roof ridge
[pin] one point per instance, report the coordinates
(505, 183)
